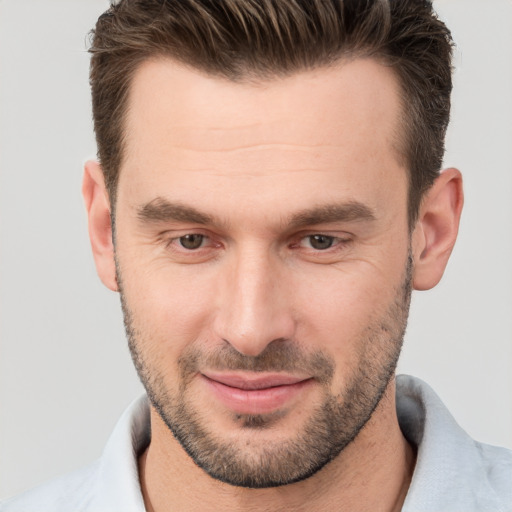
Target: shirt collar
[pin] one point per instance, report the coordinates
(452, 470)
(117, 484)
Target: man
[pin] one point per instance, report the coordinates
(268, 195)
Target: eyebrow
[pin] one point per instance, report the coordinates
(351, 211)
(161, 210)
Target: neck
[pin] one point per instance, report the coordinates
(372, 473)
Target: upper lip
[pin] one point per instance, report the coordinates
(254, 381)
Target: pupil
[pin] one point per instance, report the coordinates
(321, 241)
(191, 241)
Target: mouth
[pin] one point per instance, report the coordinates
(255, 393)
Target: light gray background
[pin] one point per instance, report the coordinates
(65, 372)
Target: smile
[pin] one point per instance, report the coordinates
(255, 394)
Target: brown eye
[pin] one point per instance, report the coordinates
(321, 242)
(192, 241)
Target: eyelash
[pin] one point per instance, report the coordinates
(172, 243)
(338, 244)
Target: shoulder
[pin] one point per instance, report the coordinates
(453, 471)
(109, 485)
(496, 463)
(72, 491)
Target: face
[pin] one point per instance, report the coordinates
(262, 254)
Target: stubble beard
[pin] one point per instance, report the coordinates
(332, 425)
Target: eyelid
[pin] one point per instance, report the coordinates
(337, 235)
(342, 244)
(171, 241)
(181, 255)
(336, 239)
(174, 240)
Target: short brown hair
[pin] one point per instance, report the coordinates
(264, 39)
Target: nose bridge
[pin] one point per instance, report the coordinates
(254, 310)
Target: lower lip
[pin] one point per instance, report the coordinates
(256, 401)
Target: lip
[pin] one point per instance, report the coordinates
(255, 393)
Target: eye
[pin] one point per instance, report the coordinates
(192, 241)
(191, 247)
(320, 242)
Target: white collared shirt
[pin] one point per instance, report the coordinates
(453, 472)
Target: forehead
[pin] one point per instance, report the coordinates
(352, 93)
(186, 128)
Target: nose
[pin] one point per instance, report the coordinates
(254, 307)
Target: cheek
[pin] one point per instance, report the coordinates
(169, 306)
(336, 309)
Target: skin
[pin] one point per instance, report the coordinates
(253, 156)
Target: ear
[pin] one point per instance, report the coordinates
(97, 204)
(436, 229)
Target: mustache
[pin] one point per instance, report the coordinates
(278, 356)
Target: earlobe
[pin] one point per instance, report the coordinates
(436, 229)
(97, 205)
